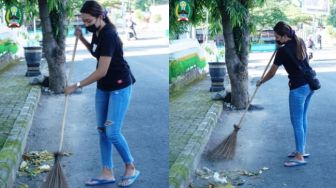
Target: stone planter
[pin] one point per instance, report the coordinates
(33, 56)
(217, 72)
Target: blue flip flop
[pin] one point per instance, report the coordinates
(306, 155)
(95, 181)
(131, 179)
(294, 162)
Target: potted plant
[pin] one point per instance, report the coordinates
(217, 68)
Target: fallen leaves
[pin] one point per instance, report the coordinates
(227, 179)
(23, 185)
(36, 162)
(219, 178)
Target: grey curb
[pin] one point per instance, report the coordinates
(185, 164)
(10, 154)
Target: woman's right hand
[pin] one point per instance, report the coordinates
(78, 32)
(70, 89)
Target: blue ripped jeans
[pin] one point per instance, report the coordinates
(298, 105)
(111, 107)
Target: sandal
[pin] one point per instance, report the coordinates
(95, 181)
(294, 162)
(129, 179)
(291, 155)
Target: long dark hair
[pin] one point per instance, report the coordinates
(94, 9)
(281, 28)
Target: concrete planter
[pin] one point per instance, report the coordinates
(33, 56)
(217, 72)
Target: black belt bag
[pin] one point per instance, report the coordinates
(308, 72)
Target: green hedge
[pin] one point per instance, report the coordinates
(8, 46)
(181, 66)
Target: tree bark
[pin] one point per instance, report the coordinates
(236, 64)
(53, 49)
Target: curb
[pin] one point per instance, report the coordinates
(191, 76)
(10, 154)
(185, 164)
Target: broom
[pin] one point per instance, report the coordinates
(226, 149)
(55, 178)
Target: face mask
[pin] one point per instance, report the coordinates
(92, 28)
(279, 43)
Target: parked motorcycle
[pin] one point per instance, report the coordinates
(310, 46)
(310, 53)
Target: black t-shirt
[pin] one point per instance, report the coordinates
(118, 75)
(296, 78)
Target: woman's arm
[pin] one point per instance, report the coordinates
(100, 72)
(85, 42)
(79, 34)
(268, 75)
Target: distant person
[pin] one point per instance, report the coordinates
(293, 49)
(114, 87)
(319, 40)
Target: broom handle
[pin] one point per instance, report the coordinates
(66, 96)
(255, 91)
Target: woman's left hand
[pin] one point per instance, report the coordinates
(70, 89)
(259, 82)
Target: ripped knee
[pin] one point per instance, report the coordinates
(108, 123)
(101, 129)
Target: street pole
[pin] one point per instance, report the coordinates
(3, 15)
(123, 16)
(34, 25)
(207, 26)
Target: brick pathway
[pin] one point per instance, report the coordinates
(14, 89)
(187, 109)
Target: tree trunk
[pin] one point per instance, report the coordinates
(53, 49)
(236, 66)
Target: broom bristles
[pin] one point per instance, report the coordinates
(55, 178)
(227, 148)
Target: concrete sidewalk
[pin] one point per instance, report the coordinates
(192, 116)
(18, 101)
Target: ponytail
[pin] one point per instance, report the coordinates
(301, 51)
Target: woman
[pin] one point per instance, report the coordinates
(300, 94)
(114, 86)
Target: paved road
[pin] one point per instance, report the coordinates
(266, 136)
(145, 128)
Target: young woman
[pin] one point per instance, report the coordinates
(293, 49)
(114, 86)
